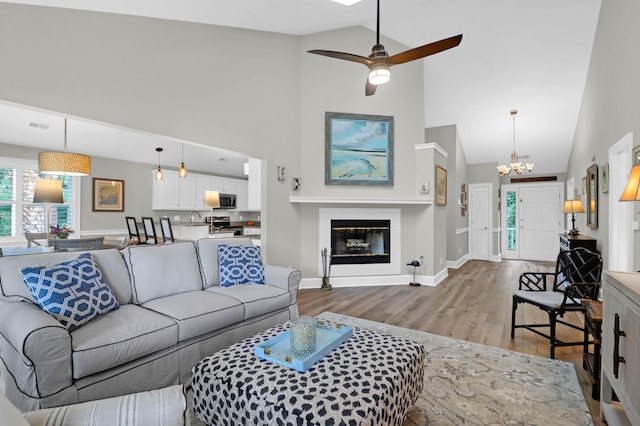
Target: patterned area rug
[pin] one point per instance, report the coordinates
(471, 384)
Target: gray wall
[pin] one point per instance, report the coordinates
(188, 81)
(610, 106)
(457, 244)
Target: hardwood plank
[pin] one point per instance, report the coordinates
(472, 304)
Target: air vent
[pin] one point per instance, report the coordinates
(38, 125)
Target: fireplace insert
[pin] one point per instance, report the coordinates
(360, 241)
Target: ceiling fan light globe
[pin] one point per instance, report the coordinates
(529, 166)
(379, 74)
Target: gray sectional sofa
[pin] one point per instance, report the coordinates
(172, 314)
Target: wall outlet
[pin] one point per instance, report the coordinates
(441, 260)
(176, 218)
(423, 187)
(240, 217)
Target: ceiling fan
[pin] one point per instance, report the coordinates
(379, 60)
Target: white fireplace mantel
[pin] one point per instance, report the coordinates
(346, 200)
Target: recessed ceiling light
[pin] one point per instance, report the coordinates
(347, 2)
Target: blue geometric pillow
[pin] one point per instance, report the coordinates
(240, 265)
(73, 292)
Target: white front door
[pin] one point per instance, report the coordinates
(480, 220)
(540, 217)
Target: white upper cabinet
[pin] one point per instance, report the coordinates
(176, 193)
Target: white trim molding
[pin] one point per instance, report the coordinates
(432, 145)
(456, 264)
(462, 231)
(346, 200)
(373, 281)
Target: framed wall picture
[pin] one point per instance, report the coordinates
(108, 195)
(592, 196)
(358, 149)
(636, 156)
(441, 186)
(604, 178)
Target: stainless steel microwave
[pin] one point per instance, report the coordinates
(227, 201)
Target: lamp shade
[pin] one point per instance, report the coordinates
(632, 191)
(573, 206)
(212, 199)
(64, 163)
(48, 191)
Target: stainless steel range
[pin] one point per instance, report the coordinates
(223, 223)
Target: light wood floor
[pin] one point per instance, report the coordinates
(472, 304)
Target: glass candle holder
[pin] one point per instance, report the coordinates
(303, 335)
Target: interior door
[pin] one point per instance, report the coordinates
(479, 221)
(540, 221)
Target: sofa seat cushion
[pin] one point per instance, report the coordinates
(198, 312)
(257, 299)
(118, 337)
(73, 292)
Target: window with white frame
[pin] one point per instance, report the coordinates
(18, 213)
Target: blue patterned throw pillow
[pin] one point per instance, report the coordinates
(240, 265)
(73, 292)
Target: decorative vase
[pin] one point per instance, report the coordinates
(62, 236)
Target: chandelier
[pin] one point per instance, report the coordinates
(515, 165)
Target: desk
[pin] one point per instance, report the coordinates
(76, 244)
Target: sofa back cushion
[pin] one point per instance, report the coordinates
(208, 256)
(110, 262)
(159, 270)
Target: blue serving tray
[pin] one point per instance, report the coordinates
(278, 349)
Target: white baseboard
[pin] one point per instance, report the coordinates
(372, 281)
(456, 264)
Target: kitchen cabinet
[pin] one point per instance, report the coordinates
(176, 193)
(621, 348)
(242, 192)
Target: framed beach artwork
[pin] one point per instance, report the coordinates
(108, 195)
(358, 149)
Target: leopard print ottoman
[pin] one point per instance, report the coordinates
(371, 379)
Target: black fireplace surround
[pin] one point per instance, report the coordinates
(360, 241)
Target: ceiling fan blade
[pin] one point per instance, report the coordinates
(423, 51)
(346, 56)
(369, 89)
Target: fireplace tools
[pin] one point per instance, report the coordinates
(326, 269)
(415, 264)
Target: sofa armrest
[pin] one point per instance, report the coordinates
(162, 407)
(35, 348)
(285, 278)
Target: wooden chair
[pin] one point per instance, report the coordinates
(150, 231)
(167, 231)
(577, 276)
(77, 244)
(134, 234)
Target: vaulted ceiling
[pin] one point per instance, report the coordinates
(529, 55)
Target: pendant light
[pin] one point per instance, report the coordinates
(64, 163)
(515, 165)
(182, 171)
(159, 174)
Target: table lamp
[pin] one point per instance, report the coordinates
(573, 207)
(48, 191)
(632, 190)
(211, 199)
